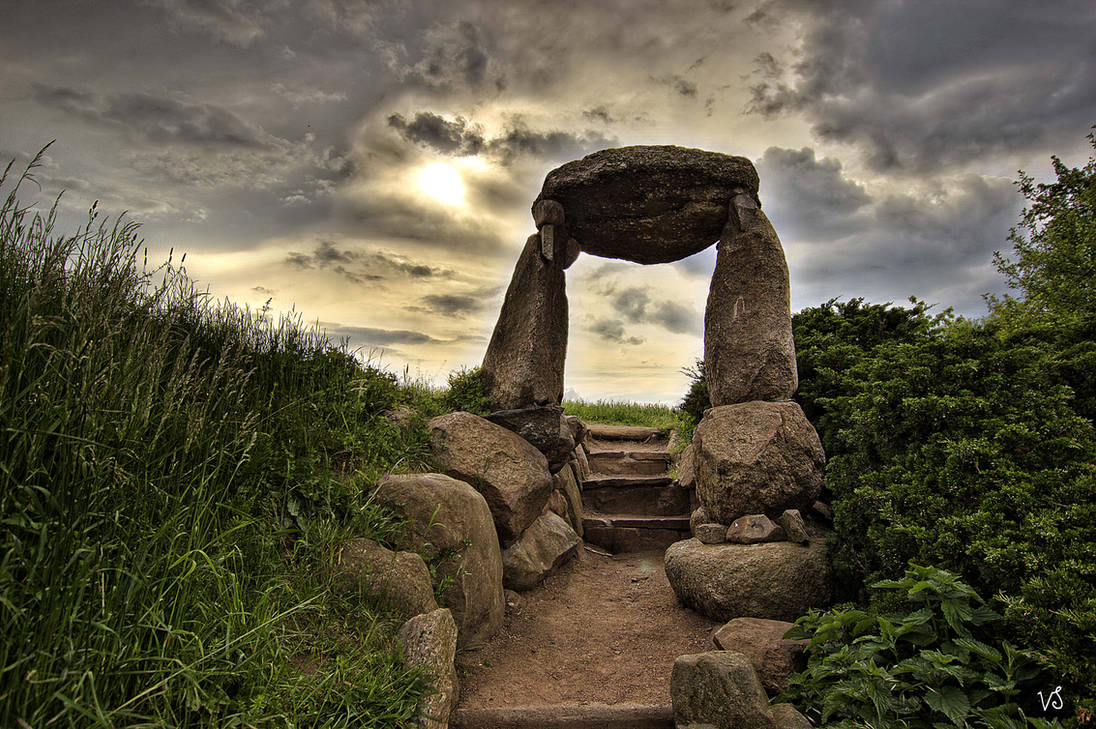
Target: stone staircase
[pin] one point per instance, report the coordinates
(630, 502)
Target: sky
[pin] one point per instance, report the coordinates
(370, 165)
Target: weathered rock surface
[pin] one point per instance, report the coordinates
(544, 428)
(749, 353)
(787, 716)
(718, 689)
(795, 529)
(546, 544)
(762, 642)
(710, 533)
(578, 428)
(430, 642)
(648, 204)
(756, 457)
(449, 517)
(566, 482)
(548, 212)
(776, 580)
(511, 474)
(686, 477)
(582, 470)
(698, 517)
(753, 529)
(823, 511)
(524, 362)
(400, 580)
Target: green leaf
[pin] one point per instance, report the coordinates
(951, 702)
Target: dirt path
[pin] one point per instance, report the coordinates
(605, 629)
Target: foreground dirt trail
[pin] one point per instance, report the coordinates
(604, 630)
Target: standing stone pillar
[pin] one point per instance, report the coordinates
(749, 353)
(523, 366)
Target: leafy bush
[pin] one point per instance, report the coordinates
(467, 391)
(934, 665)
(697, 399)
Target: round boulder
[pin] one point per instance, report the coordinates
(756, 458)
(774, 580)
(648, 204)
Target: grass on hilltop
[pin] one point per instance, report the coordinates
(663, 417)
(176, 476)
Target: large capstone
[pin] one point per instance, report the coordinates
(754, 458)
(648, 204)
(748, 349)
(523, 365)
(449, 523)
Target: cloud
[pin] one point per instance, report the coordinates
(635, 305)
(454, 304)
(361, 265)
(810, 197)
(678, 83)
(157, 118)
(612, 330)
(233, 21)
(459, 137)
(915, 94)
(385, 337)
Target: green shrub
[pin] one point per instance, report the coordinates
(936, 664)
(467, 391)
(697, 399)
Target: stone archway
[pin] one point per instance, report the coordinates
(650, 204)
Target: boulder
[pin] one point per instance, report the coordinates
(648, 204)
(795, 529)
(710, 533)
(430, 642)
(449, 521)
(685, 473)
(547, 212)
(557, 504)
(544, 428)
(546, 544)
(753, 529)
(523, 365)
(777, 580)
(510, 473)
(720, 690)
(401, 580)
(823, 511)
(756, 457)
(566, 483)
(762, 642)
(748, 349)
(787, 716)
(570, 254)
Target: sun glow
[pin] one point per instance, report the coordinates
(442, 182)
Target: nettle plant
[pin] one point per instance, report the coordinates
(927, 668)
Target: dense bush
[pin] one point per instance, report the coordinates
(174, 476)
(467, 391)
(934, 664)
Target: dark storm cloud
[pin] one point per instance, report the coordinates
(599, 114)
(156, 118)
(395, 218)
(384, 337)
(454, 55)
(678, 83)
(635, 305)
(362, 265)
(453, 304)
(459, 137)
(811, 197)
(920, 84)
(612, 330)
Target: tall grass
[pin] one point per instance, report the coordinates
(627, 413)
(175, 473)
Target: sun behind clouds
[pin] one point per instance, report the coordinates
(441, 182)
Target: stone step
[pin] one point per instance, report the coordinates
(602, 431)
(657, 500)
(585, 716)
(626, 463)
(625, 482)
(632, 532)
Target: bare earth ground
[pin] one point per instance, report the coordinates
(603, 630)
